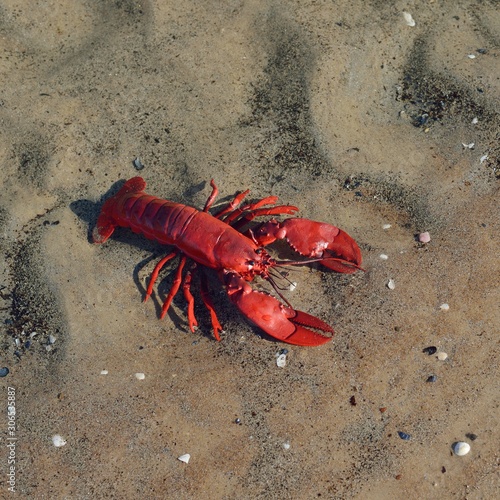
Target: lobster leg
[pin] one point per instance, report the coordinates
(277, 320)
(328, 244)
(175, 287)
(205, 295)
(186, 288)
(156, 271)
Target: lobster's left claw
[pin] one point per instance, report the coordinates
(278, 321)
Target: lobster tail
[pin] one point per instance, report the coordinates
(106, 223)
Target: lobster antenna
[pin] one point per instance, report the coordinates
(283, 275)
(276, 289)
(320, 259)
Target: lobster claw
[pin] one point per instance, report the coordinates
(333, 247)
(269, 314)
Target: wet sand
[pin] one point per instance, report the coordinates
(342, 109)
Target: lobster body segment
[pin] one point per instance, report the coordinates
(214, 241)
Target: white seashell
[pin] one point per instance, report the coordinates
(471, 56)
(383, 256)
(58, 440)
(292, 286)
(281, 360)
(52, 339)
(468, 146)
(286, 445)
(409, 19)
(391, 285)
(442, 356)
(184, 458)
(140, 376)
(460, 448)
(483, 158)
(444, 307)
(104, 372)
(474, 120)
(386, 226)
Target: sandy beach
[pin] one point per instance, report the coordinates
(381, 118)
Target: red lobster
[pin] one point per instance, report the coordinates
(216, 242)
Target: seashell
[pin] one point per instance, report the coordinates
(104, 372)
(4, 371)
(184, 458)
(424, 237)
(58, 440)
(444, 307)
(404, 436)
(442, 356)
(409, 19)
(140, 376)
(281, 360)
(386, 226)
(391, 285)
(383, 256)
(461, 448)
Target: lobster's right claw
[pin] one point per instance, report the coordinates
(278, 321)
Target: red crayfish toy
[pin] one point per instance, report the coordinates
(215, 241)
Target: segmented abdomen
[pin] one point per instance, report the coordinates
(199, 235)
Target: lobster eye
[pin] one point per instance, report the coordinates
(258, 251)
(251, 263)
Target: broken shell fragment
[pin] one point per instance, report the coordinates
(444, 307)
(391, 285)
(184, 458)
(461, 448)
(140, 376)
(442, 356)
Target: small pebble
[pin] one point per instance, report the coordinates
(409, 19)
(444, 307)
(386, 226)
(138, 164)
(474, 120)
(292, 286)
(58, 441)
(286, 445)
(4, 372)
(404, 436)
(140, 376)
(430, 350)
(461, 448)
(281, 360)
(104, 372)
(391, 285)
(431, 378)
(52, 339)
(471, 436)
(184, 458)
(383, 256)
(442, 356)
(238, 421)
(424, 237)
